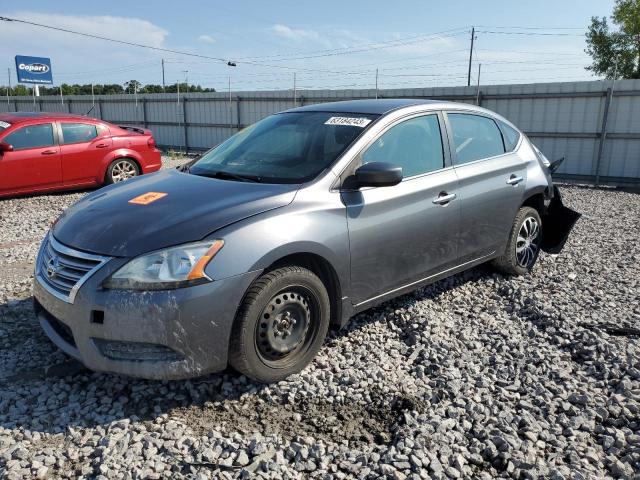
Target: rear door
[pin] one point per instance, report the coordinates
(401, 234)
(34, 162)
(492, 182)
(83, 145)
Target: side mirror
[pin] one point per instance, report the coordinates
(377, 174)
(5, 147)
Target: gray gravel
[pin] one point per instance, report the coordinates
(476, 376)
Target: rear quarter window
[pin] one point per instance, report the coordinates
(511, 136)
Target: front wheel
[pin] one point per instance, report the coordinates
(120, 170)
(524, 243)
(280, 325)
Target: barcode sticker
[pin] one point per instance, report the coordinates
(349, 121)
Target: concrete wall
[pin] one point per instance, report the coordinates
(562, 119)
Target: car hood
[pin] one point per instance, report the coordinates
(105, 222)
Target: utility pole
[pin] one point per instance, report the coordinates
(9, 87)
(230, 111)
(163, 89)
(61, 97)
(376, 83)
(294, 89)
(473, 36)
(478, 87)
(93, 98)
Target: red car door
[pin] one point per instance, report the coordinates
(82, 146)
(34, 163)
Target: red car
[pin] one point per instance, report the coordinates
(41, 152)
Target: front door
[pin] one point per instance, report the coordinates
(401, 234)
(34, 163)
(491, 184)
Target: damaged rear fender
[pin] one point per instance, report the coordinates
(557, 222)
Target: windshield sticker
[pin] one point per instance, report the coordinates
(349, 121)
(147, 198)
(4, 124)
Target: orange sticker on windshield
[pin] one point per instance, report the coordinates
(147, 198)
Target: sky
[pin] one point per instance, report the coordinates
(324, 44)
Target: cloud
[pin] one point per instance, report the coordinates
(74, 57)
(297, 34)
(206, 39)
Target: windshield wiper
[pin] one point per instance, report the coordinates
(221, 174)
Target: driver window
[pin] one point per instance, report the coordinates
(31, 136)
(474, 137)
(415, 145)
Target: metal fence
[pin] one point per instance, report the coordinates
(595, 125)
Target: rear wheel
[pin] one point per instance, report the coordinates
(523, 247)
(280, 325)
(121, 169)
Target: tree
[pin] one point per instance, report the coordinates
(132, 86)
(616, 51)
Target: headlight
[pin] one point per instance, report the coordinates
(173, 267)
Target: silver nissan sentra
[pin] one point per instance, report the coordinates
(246, 255)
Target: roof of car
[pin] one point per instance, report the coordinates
(19, 117)
(368, 106)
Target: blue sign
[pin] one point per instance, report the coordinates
(34, 70)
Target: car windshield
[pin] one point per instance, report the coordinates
(289, 147)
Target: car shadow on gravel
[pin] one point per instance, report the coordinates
(54, 398)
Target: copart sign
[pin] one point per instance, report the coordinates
(34, 70)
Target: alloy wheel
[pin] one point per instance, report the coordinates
(123, 170)
(528, 242)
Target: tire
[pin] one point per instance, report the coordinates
(521, 255)
(121, 169)
(280, 325)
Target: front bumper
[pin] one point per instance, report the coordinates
(169, 334)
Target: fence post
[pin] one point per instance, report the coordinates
(238, 123)
(39, 104)
(479, 98)
(603, 133)
(68, 105)
(15, 105)
(301, 100)
(100, 109)
(184, 122)
(144, 112)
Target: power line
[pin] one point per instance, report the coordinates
(374, 45)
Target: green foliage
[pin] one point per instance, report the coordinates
(104, 89)
(619, 50)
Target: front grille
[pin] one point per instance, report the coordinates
(62, 270)
(136, 351)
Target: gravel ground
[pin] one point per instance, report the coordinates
(476, 376)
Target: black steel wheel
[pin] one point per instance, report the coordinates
(281, 324)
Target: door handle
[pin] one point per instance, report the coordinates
(514, 180)
(102, 145)
(444, 198)
(49, 152)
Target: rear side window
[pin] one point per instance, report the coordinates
(511, 136)
(474, 137)
(78, 132)
(415, 145)
(31, 136)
